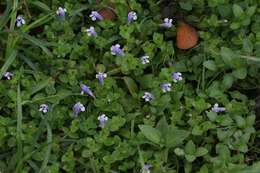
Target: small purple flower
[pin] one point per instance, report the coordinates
(167, 23)
(95, 15)
(91, 31)
(44, 108)
(116, 50)
(146, 168)
(102, 120)
(77, 108)
(145, 59)
(131, 16)
(61, 12)
(166, 87)
(176, 77)
(86, 89)
(147, 96)
(101, 76)
(20, 21)
(218, 109)
(8, 75)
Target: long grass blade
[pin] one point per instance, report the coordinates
(49, 141)
(40, 5)
(6, 16)
(38, 43)
(8, 63)
(19, 126)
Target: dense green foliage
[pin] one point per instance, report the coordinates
(176, 131)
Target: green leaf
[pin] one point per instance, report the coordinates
(228, 81)
(186, 5)
(116, 123)
(212, 115)
(162, 126)
(251, 10)
(211, 65)
(190, 148)
(227, 55)
(197, 131)
(240, 73)
(201, 151)
(175, 137)
(248, 46)
(241, 122)
(238, 11)
(158, 39)
(150, 133)
(251, 169)
(131, 85)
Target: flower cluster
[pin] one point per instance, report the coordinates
(166, 87)
(167, 23)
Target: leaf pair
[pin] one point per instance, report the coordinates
(164, 135)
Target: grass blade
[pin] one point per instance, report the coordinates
(38, 43)
(6, 16)
(8, 62)
(40, 5)
(39, 22)
(49, 141)
(19, 126)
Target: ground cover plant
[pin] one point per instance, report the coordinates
(129, 86)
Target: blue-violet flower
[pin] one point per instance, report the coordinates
(77, 108)
(131, 16)
(20, 21)
(166, 87)
(146, 168)
(102, 120)
(147, 96)
(95, 15)
(101, 76)
(176, 77)
(116, 50)
(218, 109)
(44, 108)
(8, 75)
(167, 23)
(91, 31)
(86, 90)
(145, 59)
(61, 12)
